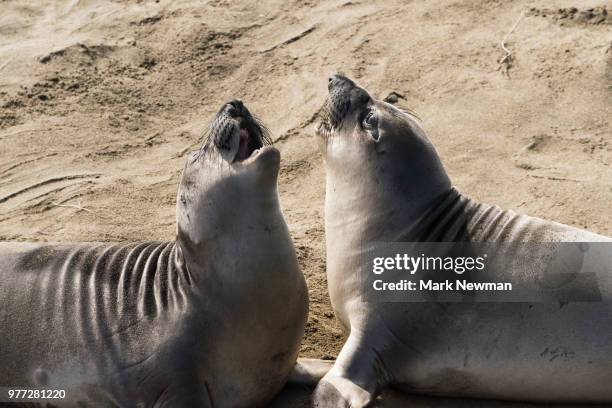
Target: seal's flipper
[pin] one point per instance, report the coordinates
(339, 392)
(309, 371)
(354, 381)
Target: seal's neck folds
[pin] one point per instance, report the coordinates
(453, 217)
(447, 217)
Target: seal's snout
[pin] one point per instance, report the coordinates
(339, 81)
(337, 105)
(236, 109)
(236, 133)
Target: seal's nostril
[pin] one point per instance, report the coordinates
(331, 82)
(235, 108)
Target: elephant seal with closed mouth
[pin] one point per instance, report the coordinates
(212, 319)
(385, 183)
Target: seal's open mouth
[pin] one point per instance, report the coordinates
(251, 138)
(236, 134)
(243, 147)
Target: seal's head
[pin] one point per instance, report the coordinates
(375, 147)
(230, 183)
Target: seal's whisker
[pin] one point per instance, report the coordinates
(207, 137)
(264, 132)
(324, 115)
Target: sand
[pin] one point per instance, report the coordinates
(100, 102)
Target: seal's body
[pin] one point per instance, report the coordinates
(214, 318)
(385, 183)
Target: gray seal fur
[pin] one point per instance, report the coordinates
(212, 319)
(386, 183)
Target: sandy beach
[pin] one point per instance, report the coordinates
(100, 102)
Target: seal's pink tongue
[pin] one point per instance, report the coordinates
(243, 147)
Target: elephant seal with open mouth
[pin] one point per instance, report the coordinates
(212, 319)
(385, 183)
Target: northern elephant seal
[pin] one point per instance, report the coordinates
(386, 183)
(212, 319)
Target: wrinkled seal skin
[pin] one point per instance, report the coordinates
(213, 319)
(385, 183)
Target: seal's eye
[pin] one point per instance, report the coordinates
(370, 123)
(370, 120)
